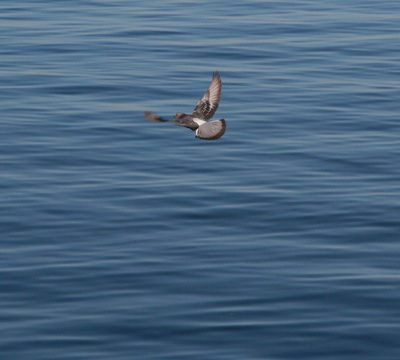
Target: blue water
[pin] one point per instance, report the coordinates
(126, 239)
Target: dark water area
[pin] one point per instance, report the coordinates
(126, 239)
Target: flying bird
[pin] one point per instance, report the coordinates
(205, 109)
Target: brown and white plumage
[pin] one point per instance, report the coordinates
(208, 104)
(204, 111)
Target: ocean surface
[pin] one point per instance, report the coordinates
(127, 239)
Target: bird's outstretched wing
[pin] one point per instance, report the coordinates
(208, 104)
(154, 117)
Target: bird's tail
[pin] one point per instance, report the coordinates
(211, 130)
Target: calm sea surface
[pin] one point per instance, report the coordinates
(126, 239)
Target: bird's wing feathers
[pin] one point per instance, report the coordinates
(208, 104)
(154, 117)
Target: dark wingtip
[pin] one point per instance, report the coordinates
(153, 117)
(150, 116)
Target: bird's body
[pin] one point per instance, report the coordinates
(199, 121)
(204, 111)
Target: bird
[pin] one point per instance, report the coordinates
(204, 110)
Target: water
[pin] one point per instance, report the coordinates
(125, 239)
